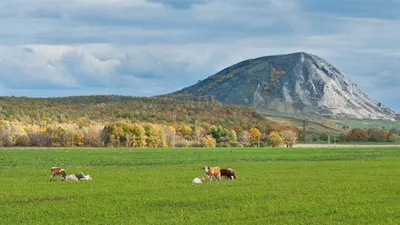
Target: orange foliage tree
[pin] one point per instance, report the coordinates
(255, 134)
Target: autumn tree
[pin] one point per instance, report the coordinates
(275, 139)
(244, 138)
(208, 141)
(374, 134)
(140, 136)
(198, 132)
(38, 136)
(170, 135)
(92, 135)
(357, 135)
(289, 137)
(10, 132)
(255, 135)
(392, 137)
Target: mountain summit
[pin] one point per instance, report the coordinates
(292, 84)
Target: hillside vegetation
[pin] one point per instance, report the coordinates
(110, 108)
(123, 121)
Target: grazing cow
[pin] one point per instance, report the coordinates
(57, 171)
(198, 180)
(228, 173)
(212, 172)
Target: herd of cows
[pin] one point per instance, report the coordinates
(215, 173)
(211, 172)
(58, 171)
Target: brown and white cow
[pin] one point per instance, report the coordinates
(212, 172)
(228, 173)
(57, 171)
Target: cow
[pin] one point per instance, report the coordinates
(57, 171)
(78, 176)
(198, 180)
(212, 172)
(86, 177)
(228, 173)
(72, 177)
(75, 177)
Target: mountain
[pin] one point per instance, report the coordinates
(293, 84)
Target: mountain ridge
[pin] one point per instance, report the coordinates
(296, 83)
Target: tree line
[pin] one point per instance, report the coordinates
(371, 135)
(138, 135)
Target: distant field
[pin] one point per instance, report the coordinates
(313, 126)
(354, 123)
(153, 186)
(350, 145)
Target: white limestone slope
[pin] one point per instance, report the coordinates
(326, 87)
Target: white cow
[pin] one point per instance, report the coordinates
(198, 180)
(86, 177)
(78, 176)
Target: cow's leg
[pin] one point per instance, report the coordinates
(51, 176)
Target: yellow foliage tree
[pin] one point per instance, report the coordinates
(255, 134)
(208, 141)
(275, 139)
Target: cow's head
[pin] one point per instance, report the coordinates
(205, 168)
(234, 175)
(63, 173)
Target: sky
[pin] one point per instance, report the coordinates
(54, 48)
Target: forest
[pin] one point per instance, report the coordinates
(123, 121)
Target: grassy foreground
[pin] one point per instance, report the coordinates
(153, 186)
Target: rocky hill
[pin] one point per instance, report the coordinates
(293, 84)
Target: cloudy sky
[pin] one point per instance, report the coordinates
(150, 47)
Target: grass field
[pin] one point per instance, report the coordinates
(153, 186)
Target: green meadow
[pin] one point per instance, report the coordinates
(153, 186)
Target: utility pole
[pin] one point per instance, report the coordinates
(304, 129)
